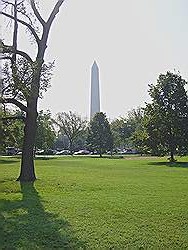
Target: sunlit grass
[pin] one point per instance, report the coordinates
(92, 203)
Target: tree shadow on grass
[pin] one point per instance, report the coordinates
(8, 161)
(44, 158)
(113, 157)
(26, 225)
(177, 164)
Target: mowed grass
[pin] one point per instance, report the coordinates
(93, 203)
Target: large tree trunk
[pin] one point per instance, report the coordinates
(100, 153)
(172, 159)
(27, 173)
(172, 147)
(71, 146)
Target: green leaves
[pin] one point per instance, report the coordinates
(72, 125)
(45, 131)
(167, 115)
(100, 137)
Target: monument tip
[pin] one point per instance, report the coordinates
(95, 64)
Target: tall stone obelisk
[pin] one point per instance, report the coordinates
(95, 93)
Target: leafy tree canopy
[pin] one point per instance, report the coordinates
(11, 129)
(100, 137)
(72, 125)
(45, 131)
(123, 128)
(166, 117)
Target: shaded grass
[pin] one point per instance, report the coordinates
(92, 203)
(8, 161)
(178, 164)
(25, 223)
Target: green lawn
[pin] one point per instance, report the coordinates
(92, 203)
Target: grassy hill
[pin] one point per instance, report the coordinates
(93, 203)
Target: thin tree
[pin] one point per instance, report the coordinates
(24, 76)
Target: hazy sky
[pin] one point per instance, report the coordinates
(132, 41)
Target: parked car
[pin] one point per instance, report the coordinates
(39, 152)
(11, 151)
(50, 152)
(122, 152)
(63, 152)
(127, 151)
(82, 152)
(19, 152)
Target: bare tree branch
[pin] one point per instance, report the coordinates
(12, 50)
(15, 102)
(55, 11)
(7, 3)
(5, 58)
(46, 29)
(4, 89)
(37, 14)
(33, 32)
(15, 33)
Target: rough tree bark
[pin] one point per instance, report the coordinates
(27, 172)
(172, 146)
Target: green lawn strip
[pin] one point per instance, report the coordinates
(82, 202)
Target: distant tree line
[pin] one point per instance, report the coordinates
(160, 128)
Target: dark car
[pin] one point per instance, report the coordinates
(11, 151)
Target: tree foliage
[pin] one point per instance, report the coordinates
(12, 125)
(123, 128)
(100, 137)
(72, 125)
(45, 131)
(121, 132)
(166, 117)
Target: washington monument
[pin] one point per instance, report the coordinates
(95, 93)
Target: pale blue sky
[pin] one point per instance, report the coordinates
(132, 41)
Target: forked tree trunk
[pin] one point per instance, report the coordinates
(27, 172)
